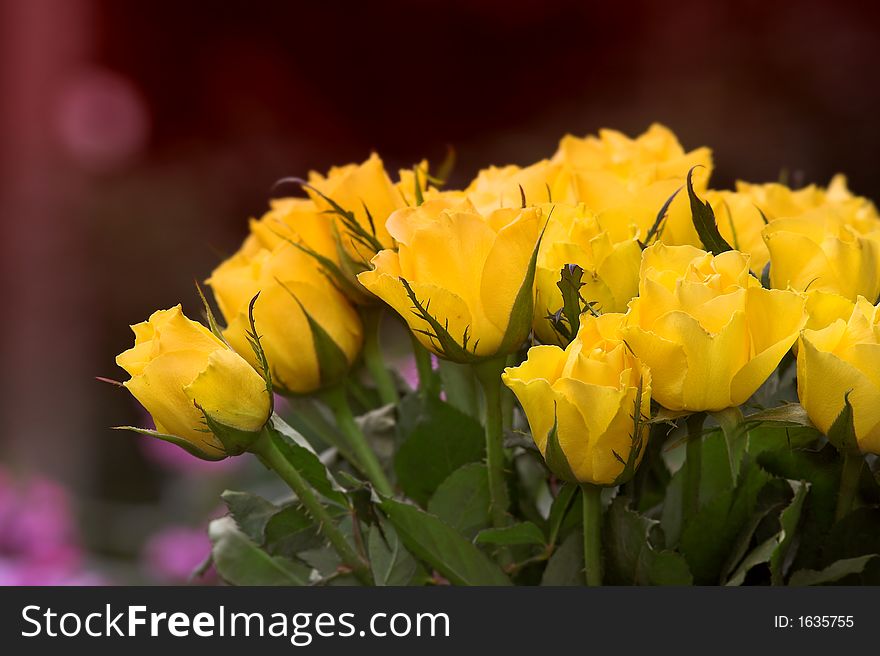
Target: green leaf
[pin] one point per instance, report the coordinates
(392, 564)
(460, 387)
(669, 568)
(735, 437)
(209, 315)
(833, 573)
(522, 533)
(570, 283)
(462, 500)
(657, 229)
(842, 433)
(291, 531)
(710, 536)
(186, 445)
(789, 519)
(234, 440)
(788, 414)
(558, 510)
(253, 338)
(332, 361)
(566, 565)
(442, 341)
(437, 544)
(628, 553)
(704, 220)
(306, 462)
(631, 555)
(240, 561)
(554, 456)
(250, 512)
(442, 440)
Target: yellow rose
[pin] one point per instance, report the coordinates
(309, 331)
(608, 251)
(180, 372)
(818, 251)
(841, 359)
(367, 192)
(589, 393)
(497, 187)
(462, 281)
(741, 214)
(707, 329)
(632, 178)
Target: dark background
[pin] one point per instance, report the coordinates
(136, 138)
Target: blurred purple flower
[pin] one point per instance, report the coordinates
(173, 554)
(38, 541)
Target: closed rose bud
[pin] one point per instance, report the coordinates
(180, 372)
(842, 361)
(633, 178)
(463, 282)
(707, 329)
(587, 404)
(607, 250)
(819, 251)
(309, 331)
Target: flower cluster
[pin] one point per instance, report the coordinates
(608, 287)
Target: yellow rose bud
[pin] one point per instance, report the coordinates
(595, 393)
(462, 281)
(818, 251)
(607, 250)
(366, 191)
(844, 358)
(180, 372)
(707, 329)
(309, 331)
(497, 187)
(632, 178)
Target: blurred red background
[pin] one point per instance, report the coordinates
(136, 138)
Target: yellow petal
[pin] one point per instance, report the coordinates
(774, 318)
(160, 389)
(231, 392)
(712, 359)
(823, 381)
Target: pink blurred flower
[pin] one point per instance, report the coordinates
(38, 541)
(173, 554)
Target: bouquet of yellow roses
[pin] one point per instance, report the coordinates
(624, 376)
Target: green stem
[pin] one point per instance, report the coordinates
(489, 375)
(272, 458)
(367, 461)
(373, 358)
(691, 493)
(428, 380)
(849, 484)
(592, 503)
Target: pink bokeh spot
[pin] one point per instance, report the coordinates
(38, 538)
(173, 554)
